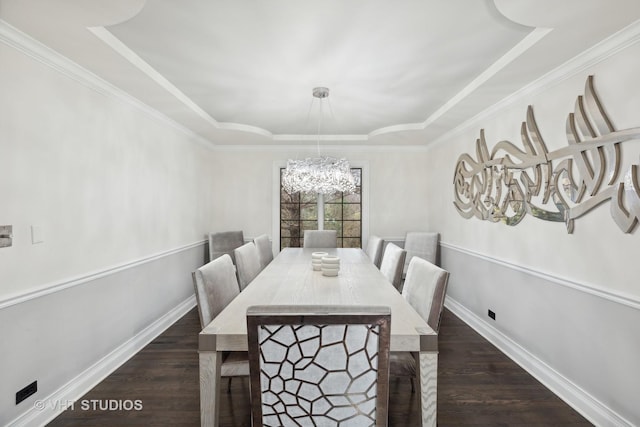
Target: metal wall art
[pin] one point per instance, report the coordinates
(508, 183)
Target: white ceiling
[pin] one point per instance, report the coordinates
(242, 72)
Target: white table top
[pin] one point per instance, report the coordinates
(290, 280)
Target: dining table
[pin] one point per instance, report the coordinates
(290, 280)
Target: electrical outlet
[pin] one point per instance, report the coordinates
(492, 314)
(26, 392)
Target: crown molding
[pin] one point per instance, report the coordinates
(615, 43)
(313, 149)
(599, 52)
(36, 50)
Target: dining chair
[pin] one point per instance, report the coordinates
(216, 286)
(265, 252)
(320, 239)
(424, 289)
(247, 263)
(319, 365)
(224, 243)
(374, 249)
(422, 244)
(392, 263)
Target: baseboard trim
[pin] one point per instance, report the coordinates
(591, 408)
(54, 404)
(617, 297)
(75, 281)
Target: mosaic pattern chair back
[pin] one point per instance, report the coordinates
(319, 366)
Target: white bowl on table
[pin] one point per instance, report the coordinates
(330, 266)
(316, 259)
(330, 272)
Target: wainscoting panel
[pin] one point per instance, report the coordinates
(69, 340)
(581, 345)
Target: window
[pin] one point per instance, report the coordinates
(341, 212)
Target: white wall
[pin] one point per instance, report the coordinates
(244, 187)
(567, 304)
(124, 200)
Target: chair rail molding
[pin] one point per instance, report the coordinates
(79, 280)
(617, 297)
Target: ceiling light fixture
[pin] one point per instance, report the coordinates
(322, 174)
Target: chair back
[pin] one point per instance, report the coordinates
(319, 365)
(320, 239)
(392, 264)
(425, 288)
(216, 286)
(264, 250)
(224, 243)
(422, 244)
(374, 249)
(247, 263)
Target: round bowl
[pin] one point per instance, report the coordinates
(330, 272)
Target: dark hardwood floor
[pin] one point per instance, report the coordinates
(477, 386)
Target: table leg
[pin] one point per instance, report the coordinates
(428, 382)
(210, 362)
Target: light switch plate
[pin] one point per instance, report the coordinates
(37, 234)
(6, 236)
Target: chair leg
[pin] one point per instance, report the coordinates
(229, 385)
(413, 386)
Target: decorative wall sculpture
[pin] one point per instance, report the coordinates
(508, 183)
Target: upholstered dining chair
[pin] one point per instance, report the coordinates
(422, 244)
(320, 239)
(374, 249)
(264, 250)
(392, 263)
(319, 365)
(216, 286)
(424, 289)
(247, 263)
(224, 243)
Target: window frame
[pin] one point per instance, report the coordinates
(364, 223)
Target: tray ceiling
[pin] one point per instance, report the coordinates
(400, 73)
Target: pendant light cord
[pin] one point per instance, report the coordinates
(319, 124)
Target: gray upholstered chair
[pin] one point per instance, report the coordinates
(374, 249)
(320, 239)
(422, 244)
(224, 243)
(247, 263)
(216, 286)
(332, 360)
(264, 250)
(392, 263)
(424, 289)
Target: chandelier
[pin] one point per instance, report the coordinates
(324, 175)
